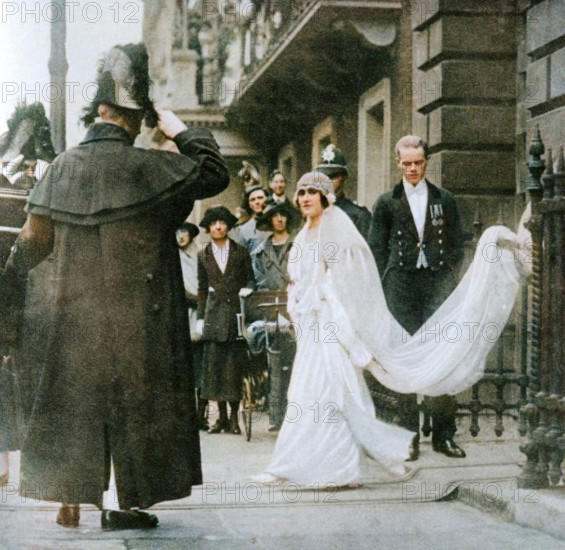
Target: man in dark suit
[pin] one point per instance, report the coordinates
(333, 165)
(417, 242)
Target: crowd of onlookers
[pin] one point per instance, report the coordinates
(247, 251)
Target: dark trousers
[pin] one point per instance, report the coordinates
(412, 297)
(281, 354)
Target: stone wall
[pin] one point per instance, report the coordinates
(464, 99)
(545, 71)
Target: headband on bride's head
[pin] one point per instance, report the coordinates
(316, 180)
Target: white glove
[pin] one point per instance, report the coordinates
(244, 292)
(170, 124)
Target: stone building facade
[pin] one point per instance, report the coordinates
(279, 79)
(473, 78)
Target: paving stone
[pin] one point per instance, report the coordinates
(31, 544)
(382, 514)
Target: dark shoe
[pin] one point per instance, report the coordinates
(113, 520)
(203, 425)
(414, 452)
(68, 516)
(234, 425)
(450, 449)
(219, 427)
(274, 428)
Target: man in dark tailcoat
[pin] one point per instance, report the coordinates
(116, 382)
(333, 165)
(417, 242)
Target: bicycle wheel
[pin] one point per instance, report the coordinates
(246, 411)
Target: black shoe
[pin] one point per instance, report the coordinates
(274, 428)
(234, 425)
(113, 520)
(449, 448)
(414, 452)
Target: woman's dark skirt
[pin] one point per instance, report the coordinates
(223, 365)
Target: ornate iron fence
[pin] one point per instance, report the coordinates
(502, 391)
(506, 371)
(542, 414)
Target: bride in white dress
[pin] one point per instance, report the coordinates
(342, 326)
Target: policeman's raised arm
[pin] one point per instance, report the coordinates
(200, 145)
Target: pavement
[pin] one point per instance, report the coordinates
(442, 503)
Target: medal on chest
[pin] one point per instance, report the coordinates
(436, 213)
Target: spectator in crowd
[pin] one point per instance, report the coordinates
(26, 148)
(270, 258)
(188, 252)
(248, 235)
(250, 177)
(270, 261)
(278, 187)
(224, 268)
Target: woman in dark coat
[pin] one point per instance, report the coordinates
(224, 268)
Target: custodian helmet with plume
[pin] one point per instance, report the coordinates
(123, 80)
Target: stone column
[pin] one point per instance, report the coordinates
(464, 97)
(181, 84)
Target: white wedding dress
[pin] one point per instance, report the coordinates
(342, 325)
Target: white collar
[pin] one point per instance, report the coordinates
(420, 188)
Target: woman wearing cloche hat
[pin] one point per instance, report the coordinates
(224, 268)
